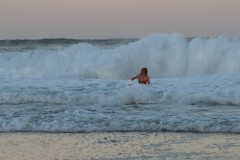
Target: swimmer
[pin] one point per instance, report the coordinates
(143, 77)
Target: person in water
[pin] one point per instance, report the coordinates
(143, 77)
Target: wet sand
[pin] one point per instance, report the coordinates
(118, 145)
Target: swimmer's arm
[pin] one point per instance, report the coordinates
(136, 77)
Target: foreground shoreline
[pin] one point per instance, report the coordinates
(118, 145)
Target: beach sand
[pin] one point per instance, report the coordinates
(118, 145)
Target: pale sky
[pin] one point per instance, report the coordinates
(97, 19)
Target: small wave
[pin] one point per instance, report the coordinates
(73, 122)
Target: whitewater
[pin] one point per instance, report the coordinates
(62, 85)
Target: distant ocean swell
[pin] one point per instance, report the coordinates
(166, 55)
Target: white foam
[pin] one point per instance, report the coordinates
(221, 89)
(200, 103)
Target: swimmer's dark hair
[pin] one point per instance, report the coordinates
(145, 70)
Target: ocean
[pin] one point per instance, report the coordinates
(84, 86)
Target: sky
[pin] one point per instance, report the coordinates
(102, 19)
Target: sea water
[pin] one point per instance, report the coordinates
(64, 85)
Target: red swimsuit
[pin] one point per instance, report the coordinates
(143, 81)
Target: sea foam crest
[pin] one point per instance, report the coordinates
(165, 55)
